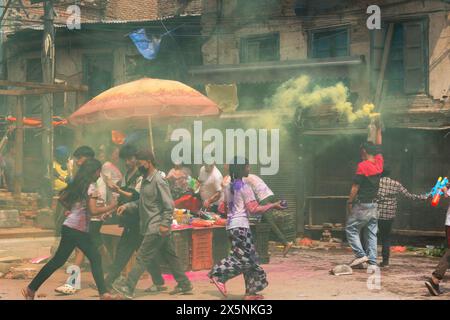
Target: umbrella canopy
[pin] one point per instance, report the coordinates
(143, 99)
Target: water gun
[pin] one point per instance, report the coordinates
(436, 192)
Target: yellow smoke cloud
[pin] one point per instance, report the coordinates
(298, 93)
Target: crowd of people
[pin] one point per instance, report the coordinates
(92, 191)
(372, 207)
(142, 199)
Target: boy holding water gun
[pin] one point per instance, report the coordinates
(433, 283)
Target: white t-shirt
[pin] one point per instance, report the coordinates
(259, 187)
(237, 215)
(210, 183)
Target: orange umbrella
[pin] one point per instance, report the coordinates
(144, 99)
(138, 100)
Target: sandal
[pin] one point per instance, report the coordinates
(220, 286)
(28, 294)
(66, 289)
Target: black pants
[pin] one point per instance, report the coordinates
(444, 263)
(94, 232)
(129, 242)
(59, 218)
(385, 229)
(71, 239)
(153, 249)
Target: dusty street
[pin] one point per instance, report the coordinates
(302, 275)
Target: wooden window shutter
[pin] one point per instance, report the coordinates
(414, 59)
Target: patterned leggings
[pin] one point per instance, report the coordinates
(242, 259)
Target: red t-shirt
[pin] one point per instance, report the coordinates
(368, 176)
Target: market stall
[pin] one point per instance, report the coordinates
(199, 241)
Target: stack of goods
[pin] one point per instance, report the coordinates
(326, 234)
(181, 217)
(202, 249)
(202, 219)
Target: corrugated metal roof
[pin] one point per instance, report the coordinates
(100, 22)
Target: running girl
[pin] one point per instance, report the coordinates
(78, 197)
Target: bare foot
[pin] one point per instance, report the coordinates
(109, 296)
(28, 294)
(287, 247)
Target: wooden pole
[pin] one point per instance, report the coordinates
(48, 73)
(18, 168)
(150, 134)
(384, 61)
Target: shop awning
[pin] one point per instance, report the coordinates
(270, 71)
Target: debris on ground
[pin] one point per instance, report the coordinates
(429, 251)
(42, 295)
(341, 270)
(10, 259)
(398, 249)
(21, 273)
(40, 260)
(1, 275)
(304, 242)
(6, 267)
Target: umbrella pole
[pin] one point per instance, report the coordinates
(150, 134)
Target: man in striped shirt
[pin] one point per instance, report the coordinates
(387, 200)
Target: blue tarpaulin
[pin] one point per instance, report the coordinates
(149, 48)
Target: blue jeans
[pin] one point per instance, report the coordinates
(363, 221)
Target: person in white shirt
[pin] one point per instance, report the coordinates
(264, 196)
(210, 180)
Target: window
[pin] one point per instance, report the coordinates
(329, 43)
(97, 73)
(406, 71)
(260, 48)
(252, 8)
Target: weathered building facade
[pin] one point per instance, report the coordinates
(99, 55)
(330, 42)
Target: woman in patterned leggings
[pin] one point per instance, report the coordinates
(239, 202)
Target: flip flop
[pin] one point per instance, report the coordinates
(220, 286)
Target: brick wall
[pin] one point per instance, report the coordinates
(132, 10)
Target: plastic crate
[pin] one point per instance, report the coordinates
(221, 244)
(182, 243)
(261, 233)
(202, 249)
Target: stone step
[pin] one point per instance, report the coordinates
(9, 219)
(28, 232)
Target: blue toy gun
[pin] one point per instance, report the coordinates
(436, 192)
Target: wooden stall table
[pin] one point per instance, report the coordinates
(197, 247)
